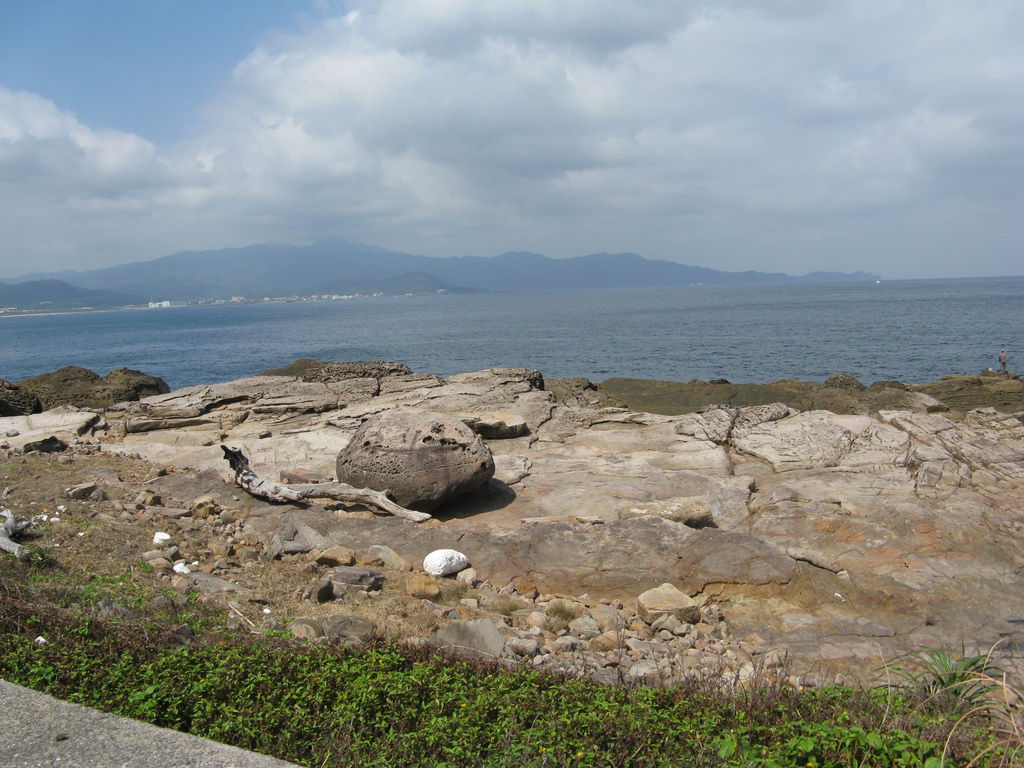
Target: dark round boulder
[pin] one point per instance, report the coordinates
(422, 458)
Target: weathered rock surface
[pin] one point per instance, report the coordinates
(840, 394)
(309, 369)
(15, 401)
(837, 537)
(423, 459)
(65, 423)
(990, 390)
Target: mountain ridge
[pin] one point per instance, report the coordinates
(337, 266)
(59, 295)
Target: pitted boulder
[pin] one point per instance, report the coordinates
(422, 458)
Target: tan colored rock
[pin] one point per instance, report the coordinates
(389, 557)
(336, 555)
(607, 641)
(667, 599)
(422, 586)
(205, 506)
(305, 629)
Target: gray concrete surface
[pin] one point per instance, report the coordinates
(39, 731)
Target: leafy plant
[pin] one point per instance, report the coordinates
(962, 680)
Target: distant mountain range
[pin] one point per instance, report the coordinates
(344, 267)
(59, 296)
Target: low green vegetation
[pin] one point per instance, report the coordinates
(389, 705)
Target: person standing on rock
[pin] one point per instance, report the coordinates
(1002, 361)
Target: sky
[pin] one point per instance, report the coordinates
(775, 135)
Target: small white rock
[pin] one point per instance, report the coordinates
(444, 562)
(266, 610)
(182, 568)
(40, 640)
(161, 538)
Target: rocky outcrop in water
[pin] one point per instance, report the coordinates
(840, 393)
(83, 388)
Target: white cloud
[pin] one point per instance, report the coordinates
(786, 135)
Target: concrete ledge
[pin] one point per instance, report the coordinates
(43, 732)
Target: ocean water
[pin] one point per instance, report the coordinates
(913, 331)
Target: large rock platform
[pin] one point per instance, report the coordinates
(845, 539)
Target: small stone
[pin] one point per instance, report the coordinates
(339, 627)
(642, 669)
(585, 627)
(605, 642)
(444, 562)
(479, 637)
(568, 644)
(82, 491)
(468, 577)
(422, 586)
(606, 616)
(669, 622)
(349, 579)
(390, 558)
(536, 619)
(205, 506)
(182, 583)
(336, 556)
(148, 498)
(306, 629)
(523, 646)
(667, 599)
(160, 538)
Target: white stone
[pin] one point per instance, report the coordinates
(182, 569)
(161, 538)
(444, 562)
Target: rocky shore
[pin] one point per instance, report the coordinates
(741, 530)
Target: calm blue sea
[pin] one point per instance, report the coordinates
(914, 331)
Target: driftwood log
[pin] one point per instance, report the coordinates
(8, 531)
(247, 479)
